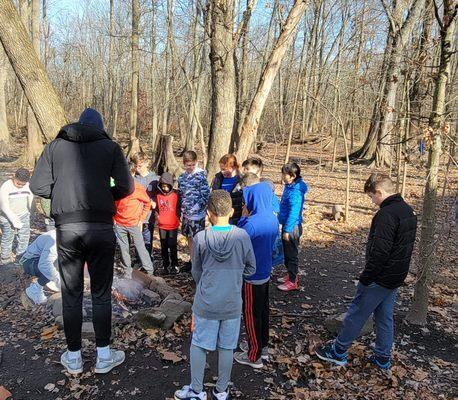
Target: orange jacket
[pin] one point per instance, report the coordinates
(134, 208)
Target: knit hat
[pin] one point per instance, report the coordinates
(166, 178)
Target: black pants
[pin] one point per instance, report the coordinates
(291, 252)
(95, 244)
(256, 317)
(169, 250)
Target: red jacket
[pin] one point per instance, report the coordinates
(168, 208)
(133, 208)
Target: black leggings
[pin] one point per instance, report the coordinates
(169, 242)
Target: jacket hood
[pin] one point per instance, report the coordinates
(166, 178)
(89, 128)
(219, 245)
(299, 185)
(394, 198)
(258, 198)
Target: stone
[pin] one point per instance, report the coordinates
(174, 311)
(142, 278)
(338, 212)
(174, 296)
(334, 323)
(87, 330)
(159, 285)
(59, 321)
(26, 302)
(151, 298)
(57, 308)
(150, 318)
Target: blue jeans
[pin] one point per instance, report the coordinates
(30, 266)
(369, 299)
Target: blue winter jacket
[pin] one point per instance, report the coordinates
(261, 226)
(291, 205)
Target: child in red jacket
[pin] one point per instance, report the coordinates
(167, 204)
(131, 213)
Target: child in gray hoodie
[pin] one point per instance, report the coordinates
(222, 257)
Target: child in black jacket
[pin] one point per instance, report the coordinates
(388, 253)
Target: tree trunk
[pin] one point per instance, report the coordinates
(251, 122)
(376, 146)
(134, 143)
(34, 139)
(223, 81)
(154, 109)
(110, 72)
(26, 64)
(4, 131)
(428, 241)
(165, 160)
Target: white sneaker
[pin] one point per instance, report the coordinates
(74, 366)
(186, 393)
(51, 285)
(104, 365)
(265, 350)
(35, 293)
(220, 396)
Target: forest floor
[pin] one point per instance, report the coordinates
(332, 254)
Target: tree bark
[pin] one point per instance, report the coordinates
(222, 81)
(428, 242)
(134, 143)
(29, 70)
(110, 71)
(4, 131)
(251, 122)
(154, 109)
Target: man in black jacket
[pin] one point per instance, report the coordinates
(388, 253)
(83, 172)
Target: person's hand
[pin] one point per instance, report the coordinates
(140, 223)
(17, 224)
(285, 236)
(153, 204)
(245, 211)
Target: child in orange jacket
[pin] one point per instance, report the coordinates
(131, 213)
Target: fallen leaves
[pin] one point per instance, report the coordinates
(48, 333)
(170, 356)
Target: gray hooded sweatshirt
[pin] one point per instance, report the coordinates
(221, 259)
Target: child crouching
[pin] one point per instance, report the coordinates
(222, 256)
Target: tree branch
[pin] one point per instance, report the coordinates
(241, 30)
(436, 13)
(390, 16)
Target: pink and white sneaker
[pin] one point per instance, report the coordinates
(288, 286)
(283, 279)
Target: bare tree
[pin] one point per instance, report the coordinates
(437, 127)
(26, 64)
(134, 143)
(251, 122)
(223, 80)
(4, 131)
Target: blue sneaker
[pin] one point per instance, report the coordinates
(381, 362)
(328, 352)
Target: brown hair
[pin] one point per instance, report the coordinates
(138, 158)
(230, 161)
(249, 179)
(189, 155)
(378, 181)
(220, 203)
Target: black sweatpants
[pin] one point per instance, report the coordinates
(169, 249)
(256, 317)
(291, 252)
(95, 244)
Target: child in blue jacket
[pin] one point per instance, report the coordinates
(262, 226)
(290, 217)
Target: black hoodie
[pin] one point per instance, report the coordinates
(74, 171)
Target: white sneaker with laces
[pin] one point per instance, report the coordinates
(35, 293)
(51, 285)
(104, 365)
(186, 393)
(220, 396)
(74, 366)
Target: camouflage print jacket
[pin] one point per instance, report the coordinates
(194, 191)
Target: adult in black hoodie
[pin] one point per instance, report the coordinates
(388, 253)
(75, 171)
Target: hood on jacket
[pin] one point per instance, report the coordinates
(219, 245)
(299, 185)
(89, 128)
(258, 198)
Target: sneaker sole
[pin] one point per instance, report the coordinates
(73, 371)
(178, 398)
(287, 290)
(341, 363)
(255, 366)
(108, 369)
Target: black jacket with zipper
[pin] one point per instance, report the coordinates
(390, 244)
(75, 172)
(236, 196)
